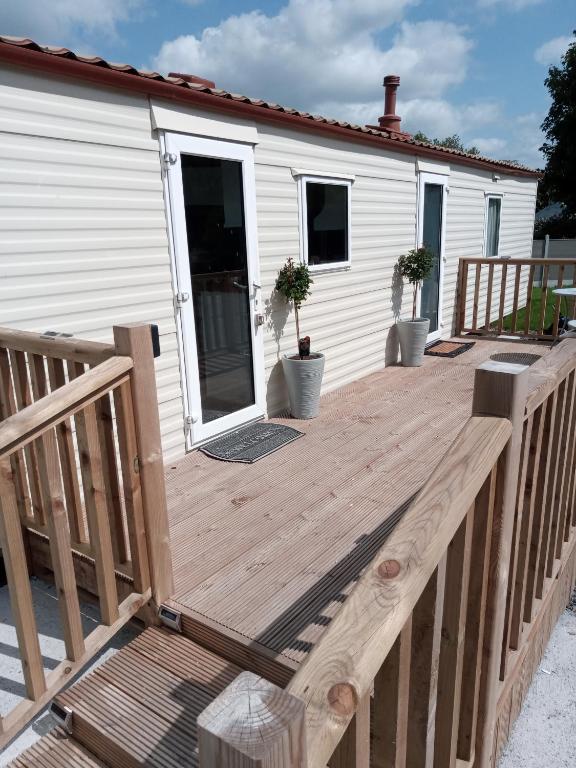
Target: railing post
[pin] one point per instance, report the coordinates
(253, 724)
(135, 341)
(500, 390)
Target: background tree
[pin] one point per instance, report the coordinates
(560, 130)
(450, 142)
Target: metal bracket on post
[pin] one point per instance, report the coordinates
(63, 715)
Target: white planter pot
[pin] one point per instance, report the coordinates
(412, 335)
(303, 381)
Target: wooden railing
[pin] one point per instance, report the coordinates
(417, 664)
(497, 296)
(81, 468)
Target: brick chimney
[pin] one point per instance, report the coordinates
(390, 121)
(193, 79)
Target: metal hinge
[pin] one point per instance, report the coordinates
(169, 159)
(181, 298)
(170, 618)
(63, 715)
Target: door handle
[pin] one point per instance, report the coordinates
(236, 284)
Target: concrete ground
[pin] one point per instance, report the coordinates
(52, 647)
(544, 735)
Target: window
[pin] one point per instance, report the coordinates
(493, 208)
(325, 215)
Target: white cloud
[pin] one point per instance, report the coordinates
(324, 53)
(551, 51)
(510, 5)
(492, 147)
(59, 20)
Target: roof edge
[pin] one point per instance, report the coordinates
(101, 75)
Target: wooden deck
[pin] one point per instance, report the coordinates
(264, 554)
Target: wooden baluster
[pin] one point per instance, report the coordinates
(502, 297)
(8, 408)
(540, 481)
(12, 544)
(516, 543)
(452, 644)
(566, 447)
(531, 463)
(113, 502)
(489, 288)
(462, 296)
(476, 297)
(135, 341)
(391, 704)
(93, 482)
(68, 460)
(131, 486)
(23, 399)
(529, 293)
(426, 637)
(516, 295)
(475, 616)
(253, 724)
(353, 751)
(558, 301)
(571, 471)
(552, 502)
(543, 299)
(499, 390)
(60, 545)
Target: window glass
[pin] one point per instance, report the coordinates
(493, 226)
(327, 223)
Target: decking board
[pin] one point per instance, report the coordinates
(269, 551)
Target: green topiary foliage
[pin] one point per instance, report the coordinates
(294, 283)
(415, 266)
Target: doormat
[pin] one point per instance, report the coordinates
(448, 348)
(251, 443)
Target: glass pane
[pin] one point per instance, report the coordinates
(432, 239)
(215, 226)
(493, 226)
(327, 217)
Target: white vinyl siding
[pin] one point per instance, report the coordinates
(83, 241)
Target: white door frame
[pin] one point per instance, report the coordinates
(176, 144)
(441, 180)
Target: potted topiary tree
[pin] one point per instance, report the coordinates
(303, 371)
(415, 266)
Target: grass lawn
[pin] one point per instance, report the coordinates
(535, 312)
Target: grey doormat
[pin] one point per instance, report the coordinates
(251, 443)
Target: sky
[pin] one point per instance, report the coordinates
(471, 67)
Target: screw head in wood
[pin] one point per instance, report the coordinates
(389, 569)
(343, 699)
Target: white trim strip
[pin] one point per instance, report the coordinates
(297, 173)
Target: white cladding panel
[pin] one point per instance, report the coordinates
(83, 242)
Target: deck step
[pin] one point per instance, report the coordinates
(140, 707)
(56, 750)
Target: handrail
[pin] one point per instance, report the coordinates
(361, 635)
(26, 425)
(78, 350)
(523, 262)
(549, 371)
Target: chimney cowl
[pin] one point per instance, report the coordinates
(390, 121)
(193, 79)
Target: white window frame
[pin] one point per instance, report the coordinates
(337, 180)
(492, 196)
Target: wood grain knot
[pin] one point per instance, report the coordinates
(389, 569)
(343, 699)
